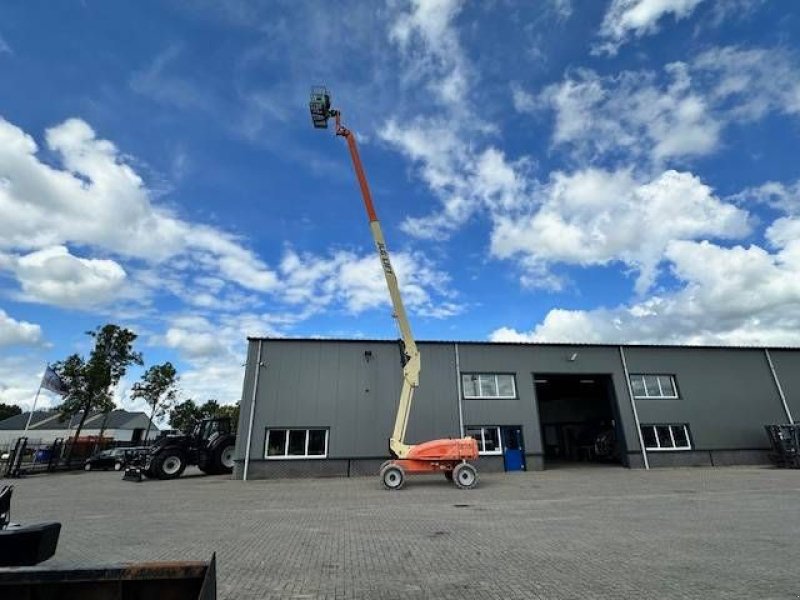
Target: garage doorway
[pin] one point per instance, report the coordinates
(579, 420)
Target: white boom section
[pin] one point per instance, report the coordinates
(411, 361)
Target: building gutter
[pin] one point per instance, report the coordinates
(778, 385)
(633, 406)
(252, 413)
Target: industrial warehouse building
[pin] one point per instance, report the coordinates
(327, 407)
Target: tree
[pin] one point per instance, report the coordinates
(9, 410)
(90, 383)
(187, 414)
(158, 387)
(184, 416)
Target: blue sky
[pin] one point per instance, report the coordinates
(545, 171)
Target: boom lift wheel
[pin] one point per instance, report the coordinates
(393, 477)
(465, 476)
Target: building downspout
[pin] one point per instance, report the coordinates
(633, 406)
(252, 412)
(460, 396)
(778, 385)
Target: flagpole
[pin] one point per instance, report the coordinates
(36, 398)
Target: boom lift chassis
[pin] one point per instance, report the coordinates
(447, 456)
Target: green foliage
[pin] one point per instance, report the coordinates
(90, 383)
(9, 410)
(187, 414)
(158, 387)
(184, 416)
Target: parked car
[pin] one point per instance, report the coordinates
(107, 459)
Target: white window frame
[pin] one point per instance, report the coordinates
(496, 385)
(285, 455)
(661, 395)
(674, 448)
(482, 442)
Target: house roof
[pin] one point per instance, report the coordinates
(51, 419)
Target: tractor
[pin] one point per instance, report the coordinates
(210, 446)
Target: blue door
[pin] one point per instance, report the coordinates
(513, 449)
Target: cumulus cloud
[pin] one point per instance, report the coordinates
(625, 19)
(593, 217)
(678, 113)
(14, 332)
(98, 201)
(728, 295)
(54, 276)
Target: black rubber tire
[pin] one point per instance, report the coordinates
(393, 477)
(165, 459)
(465, 476)
(383, 466)
(448, 475)
(219, 456)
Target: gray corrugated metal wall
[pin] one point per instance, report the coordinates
(726, 395)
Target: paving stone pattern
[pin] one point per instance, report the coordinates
(571, 533)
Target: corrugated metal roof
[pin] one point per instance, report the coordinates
(542, 344)
(49, 420)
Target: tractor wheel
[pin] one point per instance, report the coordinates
(168, 465)
(393, 477)
(465, 476)
(448, 475)
(222, 458)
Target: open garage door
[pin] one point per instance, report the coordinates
(579, 420)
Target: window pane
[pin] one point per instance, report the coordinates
(679, 433)
(475, 433)
(664, 439)
(276, 442)
(470, 385)
(492, 438)
(297, 442)
(667, 388)
(316, 442)
(649, 435)
(505, 384)
(637, 383)
(651, 384)
(488, 385)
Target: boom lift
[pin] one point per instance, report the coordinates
(448, 456)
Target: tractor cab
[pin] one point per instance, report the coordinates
(207, 429)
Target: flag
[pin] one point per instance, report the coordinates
(51, 381)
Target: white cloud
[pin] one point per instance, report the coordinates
(630, 115)
(431, 46)
(635, 18)
(356, 283)
(96, 200)
(777, 195)
(13, 332)
(593, 217)
(19, 377)
(680, 113)
(4, 47)
(54, 276)
(729, 296)
(749, 83)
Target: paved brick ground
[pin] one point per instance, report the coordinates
(573, 533)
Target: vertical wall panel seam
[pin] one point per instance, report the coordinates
(459, 392)
(252, 412)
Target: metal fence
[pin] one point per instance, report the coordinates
(26, 456)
